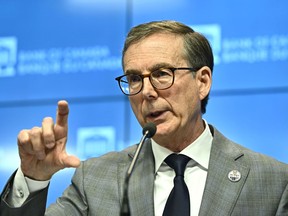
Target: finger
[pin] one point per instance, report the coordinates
(37, 144)
(48, 132)
(24, 142)
(62, 113)
(71, 161)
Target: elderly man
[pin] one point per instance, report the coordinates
(187, 168)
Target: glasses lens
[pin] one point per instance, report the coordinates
(131, 84)
(162, 78)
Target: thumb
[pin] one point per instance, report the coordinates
(71, 161)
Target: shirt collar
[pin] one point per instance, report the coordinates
(199, 150)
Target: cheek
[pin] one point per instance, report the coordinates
(136, 106)
(133, 105)
(188, 101)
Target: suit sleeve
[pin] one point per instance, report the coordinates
(72, 202)
(283, 205)
(34, 205)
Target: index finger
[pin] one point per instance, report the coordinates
(62, 113)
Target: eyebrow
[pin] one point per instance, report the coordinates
(152, 68)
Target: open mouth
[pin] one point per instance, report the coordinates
(155, 114)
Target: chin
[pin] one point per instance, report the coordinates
(163, 130)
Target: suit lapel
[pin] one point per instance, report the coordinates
(141, 184)
(221, 193)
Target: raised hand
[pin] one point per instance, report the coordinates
(42, 150)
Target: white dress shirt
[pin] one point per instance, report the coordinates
(195, 174)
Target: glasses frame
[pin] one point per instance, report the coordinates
(149, 75)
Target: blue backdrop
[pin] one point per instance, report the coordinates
(71, 49)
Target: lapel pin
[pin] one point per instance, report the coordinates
(234, 176)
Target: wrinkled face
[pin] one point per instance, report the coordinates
(176, 111)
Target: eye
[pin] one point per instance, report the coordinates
(133, 78)
(162, 73)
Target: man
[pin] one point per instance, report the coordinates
(167, 76)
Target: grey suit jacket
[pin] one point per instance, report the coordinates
(97, 186)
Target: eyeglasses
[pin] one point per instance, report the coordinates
(132, 84)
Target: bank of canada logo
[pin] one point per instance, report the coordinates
(95, 141)
(213, 33)
(8, 56)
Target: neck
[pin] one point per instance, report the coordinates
(179, 140)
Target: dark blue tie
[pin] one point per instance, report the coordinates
(178, 202)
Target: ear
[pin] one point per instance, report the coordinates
(204, 81)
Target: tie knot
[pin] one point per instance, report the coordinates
(177, 162)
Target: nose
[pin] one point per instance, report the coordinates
(148, 90)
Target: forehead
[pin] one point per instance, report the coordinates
(160, 48)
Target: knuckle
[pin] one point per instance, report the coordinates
(35, 131)
(38, 149)
(47, 120)
(22, 133)
(23, 136)
(48, 135)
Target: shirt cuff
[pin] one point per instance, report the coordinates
(34, 185)
(23, 187)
